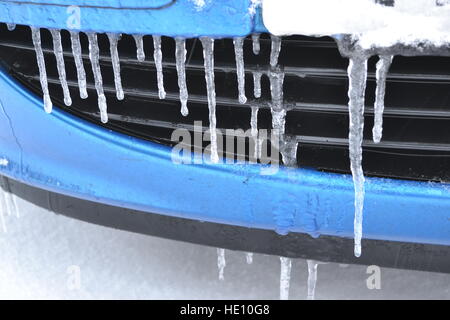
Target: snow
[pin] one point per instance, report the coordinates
(409, 22)
(41, 246)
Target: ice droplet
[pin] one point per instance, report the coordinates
(312, 279)
(383, 66)
(275, 50)
(180, 57)
(77, 55)
(257, 84)
(357, 73)
(59, 55)
(208, 56)
(240, 69)
(221, 263)
(11, 26)
(113, 41)
(157, 56)
(256, 44)
(249, 257)
(140, 53)
(36, 35)
(285, 277)
(94, 57)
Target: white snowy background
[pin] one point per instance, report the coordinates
(40, 247)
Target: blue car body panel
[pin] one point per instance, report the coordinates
(218, 18)
(61, 153)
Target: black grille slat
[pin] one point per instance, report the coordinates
(417, 114)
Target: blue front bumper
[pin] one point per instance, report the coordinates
(61, 153)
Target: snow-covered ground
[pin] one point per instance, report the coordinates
(43, 255)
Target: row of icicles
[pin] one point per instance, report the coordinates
(285, 273)
(357, 73)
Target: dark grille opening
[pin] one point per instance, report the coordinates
(416, 135)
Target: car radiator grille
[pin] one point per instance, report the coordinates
(416, 133)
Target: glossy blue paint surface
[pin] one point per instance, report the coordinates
(218, 18)
(61, 153)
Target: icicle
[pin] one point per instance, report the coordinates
(257, 84)
(180, 57)
(221, 263)
(275, 50)
(277, 105)
(240, 69)
(113, 40)
(383, 66)
(208, 56)
(249, 257)
(254, 130)
(312, 279)
(81, 73)
(157, 56)
(11, 26)
(36, 35)
(357, 72)
(10, 200)
(256, 44)
(139, 39)
(285, 277)
(288, 150)
(58, 50)
(94, 57)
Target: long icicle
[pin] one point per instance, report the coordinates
(140, 53)
(94, 57)
(275, 50)
(240, 68)
(208, 57)
(221, 263)
(312, 279)
(157, 56)
(357, 73)
(256, 44)
(285, 277)
(180, 57)
(77, 55)
(59, 55)
(254, 130)
(257, 84)
(113, 42)
(383, 66)
(36, 35)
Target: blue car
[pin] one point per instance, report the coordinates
(101, 103)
